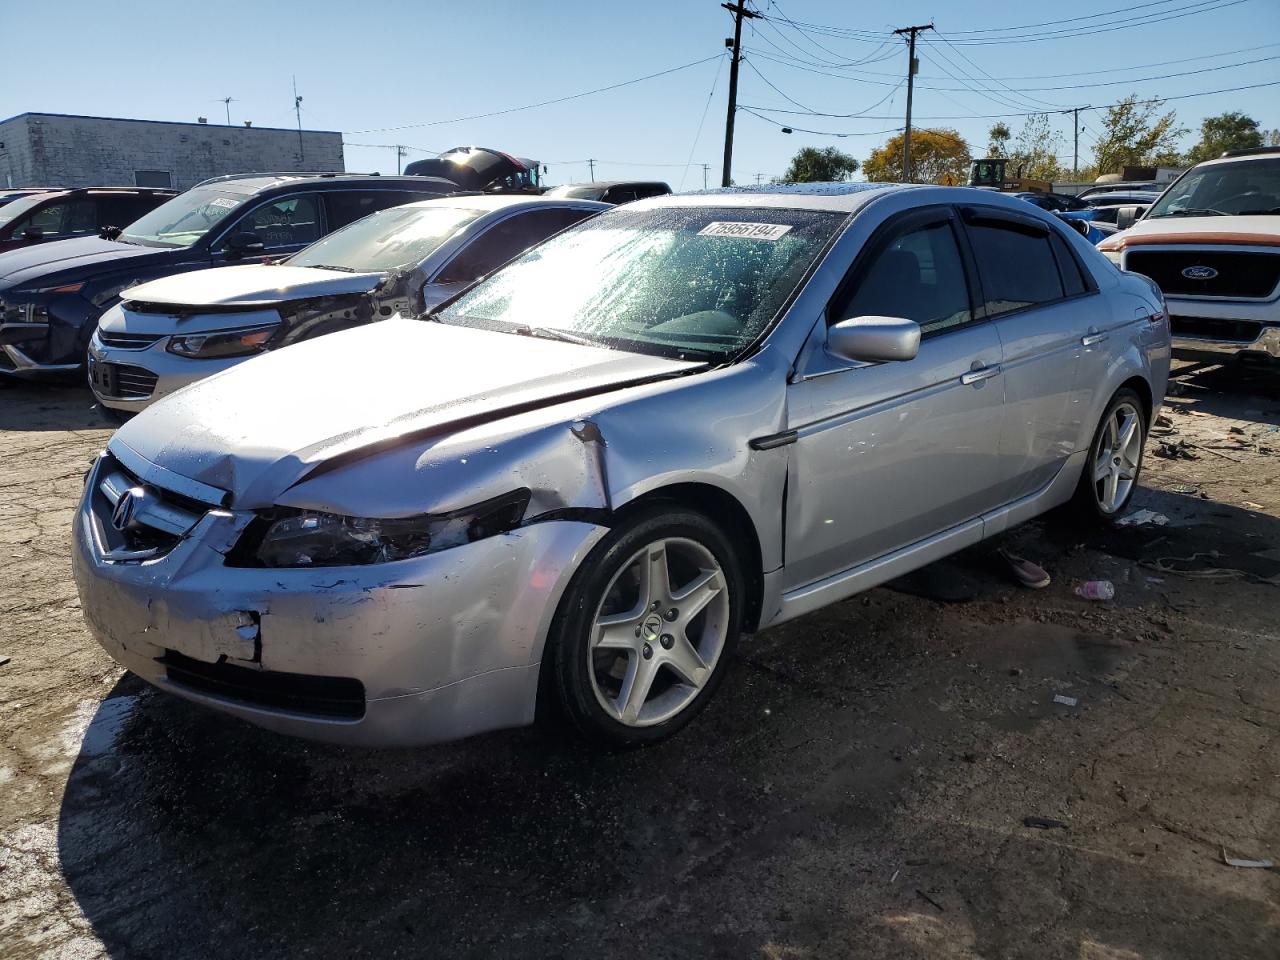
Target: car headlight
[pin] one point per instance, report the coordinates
(222, 343)
(313, 539)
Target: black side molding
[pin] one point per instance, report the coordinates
(773, 440)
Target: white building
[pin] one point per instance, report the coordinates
(61, 150)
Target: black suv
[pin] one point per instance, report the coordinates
(83, 212)
(52, 295)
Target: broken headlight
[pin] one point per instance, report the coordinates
(314, 539)
(222, 343)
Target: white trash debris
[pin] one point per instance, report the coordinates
(1141, 518)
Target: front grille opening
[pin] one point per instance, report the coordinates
(1212, 328)
(127, 341)
(119, 381)
(338, 698)
(1240, 274)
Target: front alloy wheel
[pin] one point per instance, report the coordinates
(646, 626)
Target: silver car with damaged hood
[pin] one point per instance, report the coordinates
(575, 485)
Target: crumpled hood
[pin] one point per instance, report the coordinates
(258, 427)
(43, 260)
(251, 285)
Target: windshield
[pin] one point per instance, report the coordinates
(23, 205)
(675, 282)
(185, 219)
(1247, 188)
(383, 241)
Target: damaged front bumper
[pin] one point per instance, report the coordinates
(411, 652)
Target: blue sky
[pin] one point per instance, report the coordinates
(388, 73)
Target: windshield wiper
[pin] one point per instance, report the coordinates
(330, 266)
(1259, 213)
(1192, 212)
(547, 333)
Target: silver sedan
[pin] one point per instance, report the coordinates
(575, 485)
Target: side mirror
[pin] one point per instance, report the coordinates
(874, 339)
(1126, 217)
(243, 244)
(33, 233)
(1079, 226)
(110, 233)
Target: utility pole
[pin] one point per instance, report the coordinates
(591, 165)
(705, 168)
(226, 102)
(1075, 163)
(401, 152)
(912, 66)
(297, 109)
(759, 177)
(739, 10)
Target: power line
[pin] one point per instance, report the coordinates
(1157, 16)
(701, 121)
(1031, 113)
(541, 103)
(821, 133)
(1054, 23)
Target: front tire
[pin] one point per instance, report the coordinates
(645, 630)
(1114, 464)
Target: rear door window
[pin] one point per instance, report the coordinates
(1017, 266)
(507, 240)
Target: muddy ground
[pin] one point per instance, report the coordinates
(858, 789)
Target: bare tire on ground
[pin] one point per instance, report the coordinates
(646, 627)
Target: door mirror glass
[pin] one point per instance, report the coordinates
(33, 233)
(874, 339)
(242, 243)
(1126, 217)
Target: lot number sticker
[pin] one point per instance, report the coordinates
(226, 202)
(750, 231)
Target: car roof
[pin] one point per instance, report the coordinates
(1264, 153)
(835, 197)
(491, 202)
(252, 183)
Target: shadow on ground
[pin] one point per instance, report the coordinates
(49, 406)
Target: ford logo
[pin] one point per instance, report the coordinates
(1199, 273)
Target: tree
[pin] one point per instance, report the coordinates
(1132, 133)
(1232, 130)
(998, 144)
(937, 156)
(1273, 137)
(1035, 154)
(814, 165)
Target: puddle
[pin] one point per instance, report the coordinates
(96, 725)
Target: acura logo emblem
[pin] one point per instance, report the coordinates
(127, 507)
(1199, 273)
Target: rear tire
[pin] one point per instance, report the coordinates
(1114, 464)
(645, 630)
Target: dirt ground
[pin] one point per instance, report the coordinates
(858, 789)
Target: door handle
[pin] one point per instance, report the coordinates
(977, 376)
(1093, 338)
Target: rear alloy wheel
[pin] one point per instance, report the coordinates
(646, 628)
(1115, 458)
